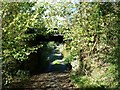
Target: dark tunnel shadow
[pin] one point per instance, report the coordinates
(58, 68)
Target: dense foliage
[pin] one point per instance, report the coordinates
(93, 41)
(21, 24)
(91, 37)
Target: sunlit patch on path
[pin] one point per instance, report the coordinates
(56, 61)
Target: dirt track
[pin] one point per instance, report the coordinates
(47, 81)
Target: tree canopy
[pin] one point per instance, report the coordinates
(90, 31)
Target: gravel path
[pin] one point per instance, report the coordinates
(50, 81)
(47, 81)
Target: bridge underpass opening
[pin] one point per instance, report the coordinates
(55, 62)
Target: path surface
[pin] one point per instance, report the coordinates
(54, 79)
(56, 55)
(49, 81)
